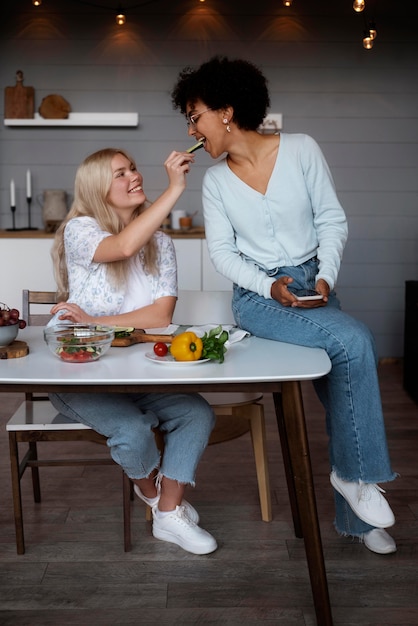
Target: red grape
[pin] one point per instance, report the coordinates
(9, 317)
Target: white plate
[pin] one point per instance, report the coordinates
(169, 360)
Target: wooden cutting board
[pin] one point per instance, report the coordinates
(14, 350)
(19, 101)
(140, 336)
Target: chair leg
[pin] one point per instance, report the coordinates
(16, 493)
(36, 484)
(126, 488)
(255, 412)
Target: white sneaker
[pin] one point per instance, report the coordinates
(366, 501)
(152, 502)
(177, 527)
(379, 541)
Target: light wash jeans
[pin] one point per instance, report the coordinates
(127, 419)
(350, 392)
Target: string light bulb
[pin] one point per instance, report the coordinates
(367, 41)
(287, 3)
(372, 31)
(120, 17)
(358, 5)
(36, 3)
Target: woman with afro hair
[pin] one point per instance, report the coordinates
(274, 227)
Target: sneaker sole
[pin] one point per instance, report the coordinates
(166, 536)
(370, 521)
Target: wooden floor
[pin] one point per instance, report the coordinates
(75, 571)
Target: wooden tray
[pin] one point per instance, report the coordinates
(194, 230)
(14, 350)
(140, 336)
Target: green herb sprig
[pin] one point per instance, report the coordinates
(214, 344)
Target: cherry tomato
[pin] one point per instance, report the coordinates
(160, 348)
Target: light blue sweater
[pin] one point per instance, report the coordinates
(298, 218)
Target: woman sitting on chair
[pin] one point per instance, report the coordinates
(114, 266)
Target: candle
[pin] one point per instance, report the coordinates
(12, 193)
(28, 185)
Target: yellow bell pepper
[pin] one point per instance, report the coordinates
(186, 347)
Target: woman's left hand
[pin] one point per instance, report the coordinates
(72, 312)
(323, 289)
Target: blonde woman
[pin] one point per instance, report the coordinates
(114, 266)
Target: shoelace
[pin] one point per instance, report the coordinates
(368, 490)
(182, 514)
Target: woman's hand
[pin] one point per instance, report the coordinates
(281, 293)
(72, 312)
(177, 165)
(155, 315)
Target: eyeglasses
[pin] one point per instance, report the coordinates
(192, 119)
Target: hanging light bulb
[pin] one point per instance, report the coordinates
(287, 3)
(372, 30)
(358, 5)
(120, 18)
(36, 3)
(367, 41)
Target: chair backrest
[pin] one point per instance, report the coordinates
(30, 298)
(203, 307)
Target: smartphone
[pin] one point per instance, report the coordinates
(307, 294)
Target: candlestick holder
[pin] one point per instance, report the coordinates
(29, 227)
(13, 210)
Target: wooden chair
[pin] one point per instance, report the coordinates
(36, 420)
(236, 413)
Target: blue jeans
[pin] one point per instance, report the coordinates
(185, 420)
(350, 392)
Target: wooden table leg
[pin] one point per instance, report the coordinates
(297, 442)
(16, 491)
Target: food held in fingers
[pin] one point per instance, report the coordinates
(196, 146)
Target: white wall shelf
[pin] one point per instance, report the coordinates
(79, 119)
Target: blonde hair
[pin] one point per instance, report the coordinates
(92, 183)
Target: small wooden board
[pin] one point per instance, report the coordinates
(14, 350)
(19, 102)
(140, 336)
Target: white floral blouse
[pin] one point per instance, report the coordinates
(89, 286)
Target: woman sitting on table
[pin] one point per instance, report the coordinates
(113, 266)
(274, 226)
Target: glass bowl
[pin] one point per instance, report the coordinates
(79, 343)
(8, 334)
